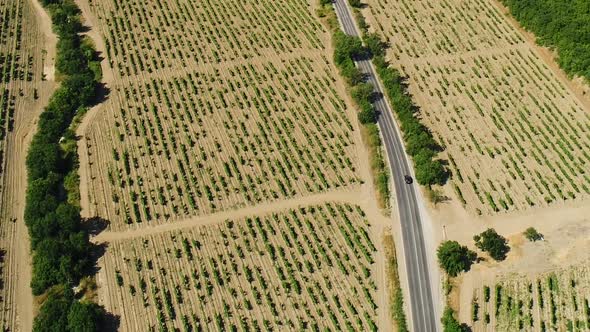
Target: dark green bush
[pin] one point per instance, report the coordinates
(493, 243)
(454, 258)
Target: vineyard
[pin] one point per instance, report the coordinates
(556, 301)
(252, 115)
(144, 37)
(515, 135)
(307, 268)
(20, 66)
(22, 93)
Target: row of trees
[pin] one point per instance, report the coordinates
(60, 245)
(564, 25)
(347, 49)
(420, 144)
(62, 312)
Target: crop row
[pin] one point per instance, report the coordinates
(539, 143)
(145, 37)
(217, 139)
(514, 134)
(413, 31)
(308, 268)
(17, 63)
(557, 301)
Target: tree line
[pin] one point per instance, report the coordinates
(346, 50)
(564, 25)
(60, 245)
(419, 142)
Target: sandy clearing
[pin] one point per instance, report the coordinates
(50, 40)
(565, 228)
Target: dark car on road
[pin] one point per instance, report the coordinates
(408, 179)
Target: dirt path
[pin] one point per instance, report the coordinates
(20, 259)
(18, 301)
(23, 136)
(50, 40)
(107, 80)
(348, 196)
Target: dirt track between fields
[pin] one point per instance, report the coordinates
(17, 299)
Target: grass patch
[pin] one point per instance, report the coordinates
(396, 296)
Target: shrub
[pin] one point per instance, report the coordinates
(450, 323)
(532, 235)
(62, 312)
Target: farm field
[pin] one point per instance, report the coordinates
(214, 105)
(515, 134)
(304, 268)
(554, 301)
(26, 81)
(21, 66)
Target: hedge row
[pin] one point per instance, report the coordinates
(420, 143)
(346, 50)
(61, 248)
(60, 245)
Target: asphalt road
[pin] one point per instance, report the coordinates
(421, 299)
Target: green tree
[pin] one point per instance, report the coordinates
(347, 47)
(415, 142)
(532, 235)
(61, 312)
(42, 159)
(375, 45)
(53, 315)
(41, 197)
(492, 243)
(85, 317)
(428, 171)
(366, 116)
(355, 3)
(450, 323)
(363, 91)
(454, 258)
